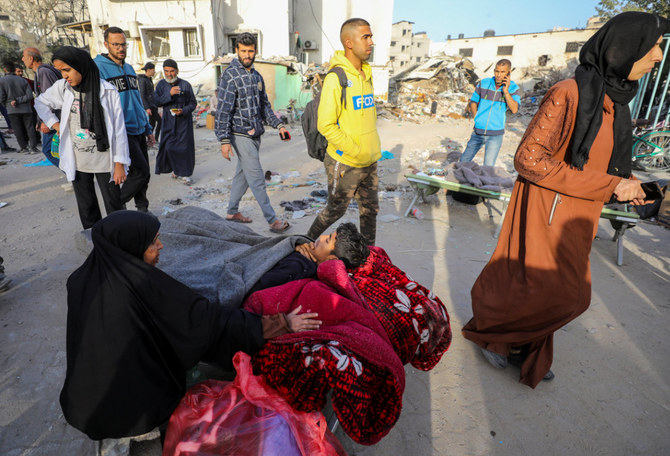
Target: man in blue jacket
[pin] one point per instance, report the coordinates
(113, 68)
(489, 104)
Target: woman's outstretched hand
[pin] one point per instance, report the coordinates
(302, 322)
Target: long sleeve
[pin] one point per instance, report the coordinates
(190, 104)
(146, 91)
(550, 131)
(3, 94)
(330, 109)
(226, 95)
(238, 330)
(162, 95)
(120, 152)
(26, 96)
(49, 101)
(45, 79)
(266, 111)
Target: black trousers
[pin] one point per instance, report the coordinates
(139, 173)
(87, 201)
(24, 129)
(155, 122)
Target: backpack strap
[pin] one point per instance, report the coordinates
(344, 82)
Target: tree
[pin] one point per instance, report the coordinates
(9, 50)
(42, 17)
(609, 8)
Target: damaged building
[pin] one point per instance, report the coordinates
(196, 33)
(533, 55)
(439, 87)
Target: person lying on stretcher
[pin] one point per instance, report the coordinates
(345, 243)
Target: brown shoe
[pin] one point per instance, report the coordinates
(238, 217)
(279, 226)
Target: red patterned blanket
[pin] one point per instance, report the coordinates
(350, 355)
(414, 318)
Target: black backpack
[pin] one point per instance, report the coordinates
(316, 143)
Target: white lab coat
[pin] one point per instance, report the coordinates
(59, 97)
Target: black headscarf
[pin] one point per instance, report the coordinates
(605, 63)
(133, 332)
(91, 114)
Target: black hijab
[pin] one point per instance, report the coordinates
(91, 114)
(605, 63)
(133, 332)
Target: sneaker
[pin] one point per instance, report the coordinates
(24, 151)
(34, 150)
(8, 149)
(496, 360)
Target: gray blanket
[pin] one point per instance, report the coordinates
(492, 178)
(219, 259)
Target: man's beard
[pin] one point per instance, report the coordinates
(245, 65)
(171, 80)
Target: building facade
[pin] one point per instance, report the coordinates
(195, 32)
(407, 49)
(554, 49)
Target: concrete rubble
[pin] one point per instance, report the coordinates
(439, 88)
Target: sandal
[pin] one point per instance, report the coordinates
(238, 217)
(279, 226)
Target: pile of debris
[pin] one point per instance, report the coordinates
(543, 78)
(440, 88)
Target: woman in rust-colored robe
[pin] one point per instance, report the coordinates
(574, 157)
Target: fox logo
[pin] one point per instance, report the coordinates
(364, 102)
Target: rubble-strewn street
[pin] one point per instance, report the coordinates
(612, 365)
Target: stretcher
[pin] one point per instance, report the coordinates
(424, 186)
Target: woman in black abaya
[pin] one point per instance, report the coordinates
(133, 332)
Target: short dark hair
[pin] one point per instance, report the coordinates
(348, 27)
(354, 22)
(9, 66)
(246, 39)
(350, 246)
(113, 30)
(506, 62)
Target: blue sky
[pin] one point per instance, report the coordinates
(440, 18)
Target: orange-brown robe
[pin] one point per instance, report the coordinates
(539, 277)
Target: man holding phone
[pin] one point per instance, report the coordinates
(242, 109)
(489, 104)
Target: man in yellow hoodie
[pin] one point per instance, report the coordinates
(351, 131)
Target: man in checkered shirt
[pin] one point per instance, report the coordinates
(243, 108)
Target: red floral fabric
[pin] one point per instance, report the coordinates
(350, 355)
(415, 320)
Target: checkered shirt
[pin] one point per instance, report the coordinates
(243, 104)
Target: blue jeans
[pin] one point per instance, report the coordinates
(492, 147)
(249, 174)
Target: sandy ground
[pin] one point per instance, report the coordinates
(611, 395)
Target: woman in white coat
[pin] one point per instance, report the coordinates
(92, 132)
